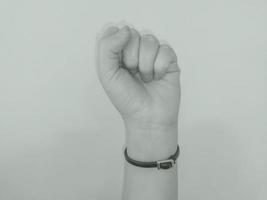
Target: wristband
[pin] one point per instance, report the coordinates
(160, 164)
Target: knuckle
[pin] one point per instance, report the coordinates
(110, 31)
(165, 47)
(134, 33)
(169, 52)
(150, 39)
(173, 55)
(105, 44)
(102, 43)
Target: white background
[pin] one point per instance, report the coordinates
(61, 138)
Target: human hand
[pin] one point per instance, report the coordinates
(141, 78)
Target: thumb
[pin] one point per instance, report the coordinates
(109, 51)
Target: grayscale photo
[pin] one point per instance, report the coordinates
(133, 100)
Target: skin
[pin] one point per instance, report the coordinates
(141, 78)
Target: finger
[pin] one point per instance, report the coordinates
(148, 51)
(166, 61)
(109, 49)
(131, 51)
(110, 31)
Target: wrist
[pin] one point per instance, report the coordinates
(150, 142)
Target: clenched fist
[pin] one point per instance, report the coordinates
(141, 77)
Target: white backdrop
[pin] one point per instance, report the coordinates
(60, 137)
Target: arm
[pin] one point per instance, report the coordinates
(142, 183)
(141, 77)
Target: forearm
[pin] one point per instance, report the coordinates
(149, 144)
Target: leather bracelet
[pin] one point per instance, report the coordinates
(160, 164)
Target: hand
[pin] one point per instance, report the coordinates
(141, 77)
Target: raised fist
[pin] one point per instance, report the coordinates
(141, 77)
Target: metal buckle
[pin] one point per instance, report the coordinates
(169, 161)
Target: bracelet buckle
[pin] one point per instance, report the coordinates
(165, 164)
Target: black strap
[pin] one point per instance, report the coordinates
(161, 164)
